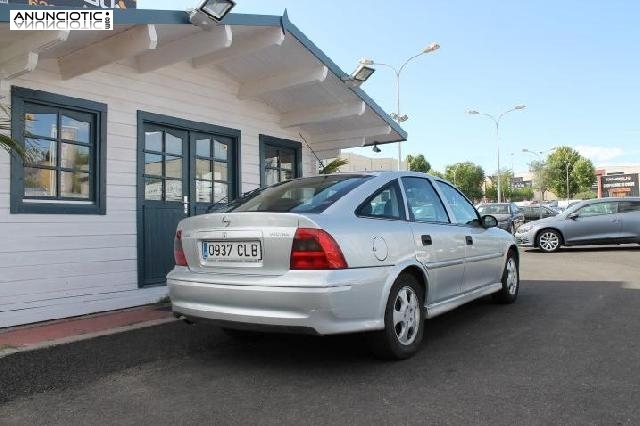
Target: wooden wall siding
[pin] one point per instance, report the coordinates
(55, 266)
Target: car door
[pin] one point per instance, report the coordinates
(593, 223)
(517, 215)
(484, 247)
(629, 213)
(440, 248)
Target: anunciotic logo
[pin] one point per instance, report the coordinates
(61, 20)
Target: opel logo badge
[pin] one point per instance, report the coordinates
(226, 221)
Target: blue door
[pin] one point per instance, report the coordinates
(181, 172)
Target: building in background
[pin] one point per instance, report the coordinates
(361, 163)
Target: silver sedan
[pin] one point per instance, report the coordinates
(600, 221)
(342, 253)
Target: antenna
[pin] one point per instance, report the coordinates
(311, 149)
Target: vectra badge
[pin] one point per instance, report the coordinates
(226, 221)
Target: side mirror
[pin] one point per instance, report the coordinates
(489, 221)
(573, 216)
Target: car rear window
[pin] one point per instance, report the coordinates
(494, 209)
(305, 195)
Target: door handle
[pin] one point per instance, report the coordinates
(426, 240)
(469, 240)
(185, 204)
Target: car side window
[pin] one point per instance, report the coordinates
(598, 209)
(423, 203)
(383, 204)
(628, 206)
(463, 210)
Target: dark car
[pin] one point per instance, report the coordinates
(508, 214)
(537, 212)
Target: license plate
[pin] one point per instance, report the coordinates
(232, 251)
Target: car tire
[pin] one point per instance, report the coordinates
(510, 280)
(403, 321)
(549, 240)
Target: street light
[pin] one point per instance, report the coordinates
(432, 47)
(539, 154)
(497, 123)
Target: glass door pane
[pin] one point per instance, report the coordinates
(164, 163)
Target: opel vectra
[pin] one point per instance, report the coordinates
(342, 253)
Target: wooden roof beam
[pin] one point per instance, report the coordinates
(131, 42)
(198, 44)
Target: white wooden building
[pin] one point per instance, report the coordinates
(131, 128)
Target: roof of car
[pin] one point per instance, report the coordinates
(390, 173)
(605, 199)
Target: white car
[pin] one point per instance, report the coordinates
(342, 253)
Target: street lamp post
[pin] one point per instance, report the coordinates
(396, 116)
(539, 154)
(455, 173)
(567, 167)
(497, 123)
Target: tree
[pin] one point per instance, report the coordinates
(437, 174)
(541, 179)
(467, 176)
(521, 194)
(6, 142)
(333, 166)
(418, 163)
(586, 195)
(566, 161)
(506, 177)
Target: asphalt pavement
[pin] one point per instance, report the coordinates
(567, 352)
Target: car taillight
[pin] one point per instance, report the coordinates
(315, 249)
(178, 253)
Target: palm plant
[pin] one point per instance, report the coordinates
(333, 166)
(7, 142)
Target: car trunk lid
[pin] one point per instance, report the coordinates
(241, 243)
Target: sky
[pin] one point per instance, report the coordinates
(575, 64)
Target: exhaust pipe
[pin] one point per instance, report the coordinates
(183, 318)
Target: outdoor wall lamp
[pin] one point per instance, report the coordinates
(210, 12)
(360, 75)
(376, 149)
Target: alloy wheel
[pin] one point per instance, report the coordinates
(406, 315)
(549, 241)
(512, 276)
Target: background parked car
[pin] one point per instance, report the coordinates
(536, 212)
(342, 253)
(508, 214)
(600, 221)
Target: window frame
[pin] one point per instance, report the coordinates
(631, 202)
(452, 213)
(97, 202)
(410, 215)
(402, 212)
(266, 140)
(615, 203)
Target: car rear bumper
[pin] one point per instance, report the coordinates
(351, 303)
